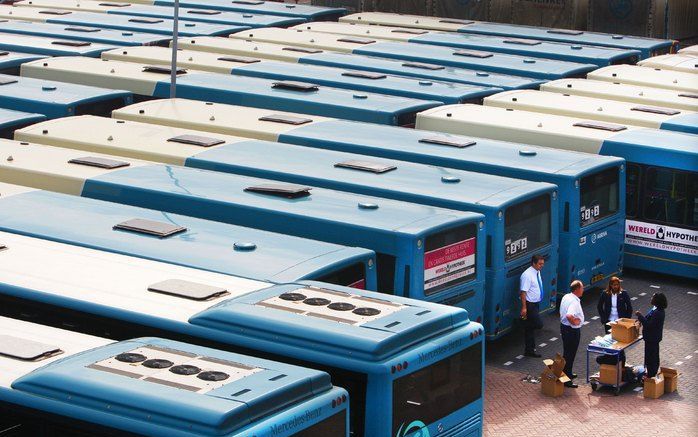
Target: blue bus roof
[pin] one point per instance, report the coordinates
(255, 387)
(442, 187)
(209, 16)
(655, 148)
(11, 120)
(10, 61)
(422, 70)
(466, 153)
(260, 7)
(263, 93)
(57, 99)
(143, 24)
(645, 45)
(494, 62)
(51, 46)
(205, 244)
(687, 123)
(370, 82)
(82, 33)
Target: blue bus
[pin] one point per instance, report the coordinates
(647, 46)
(59, 99)
(599, 56)
(519, 215)
(11, 120)
(406, 364)
(60, 382)
(562, 168)
(185, 14)
(82, 33)
(154, 81)
(471, 59)
(10, 61)
(160, 26)
(187, 241)
(667, 187)
(422, 252)
(444, 92)
(309, 56)
(51, 46)
(307, 12)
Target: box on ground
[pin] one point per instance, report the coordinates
(553, 378)
(654, 387)
(671, 379)
(625, 330)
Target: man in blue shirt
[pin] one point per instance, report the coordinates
(531, 293)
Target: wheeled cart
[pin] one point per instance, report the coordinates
(614, 350)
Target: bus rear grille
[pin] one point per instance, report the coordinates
(464, 428)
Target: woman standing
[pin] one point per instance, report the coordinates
(614, 304)
(652, 327)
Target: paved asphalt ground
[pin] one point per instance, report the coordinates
(517, 408)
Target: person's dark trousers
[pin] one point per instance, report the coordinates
(532, 323)
(651, 358)
(570, 344)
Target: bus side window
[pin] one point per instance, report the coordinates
(670, 196)
(632, 190)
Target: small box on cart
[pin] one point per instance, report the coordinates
(625, 330)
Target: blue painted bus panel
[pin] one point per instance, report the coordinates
(426, 185)
(11, 120)
(647, 46)
(330, 102)
(226, 410)
(494, 62)
(10, 61)
(52, 46)
(207, 16)
(444, 92)
(143, 24)
(205, 245)
(687, 123)
(660, 233)
(422, 70)
(59, 99)
(82, 33)
(584, 54)
(307, 12)
(559, 167)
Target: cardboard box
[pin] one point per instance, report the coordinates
(671, 379)
(608, 374)
(625, 330)
(654, 387)
(553, 378)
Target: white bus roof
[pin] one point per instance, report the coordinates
(642, 94)
(584, 107)
(684, 63)
(119, 137)
(302, 38)
(690, 50)
(73, 5)
(637, 75)
(48, 168)
(25, 14)
(196, 115)
(546, 130)
(418, 21)
(241, 47)
(113, 280)
(13, 330)
(403, 34)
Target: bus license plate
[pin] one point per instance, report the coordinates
(597, 278)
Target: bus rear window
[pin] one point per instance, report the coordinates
(353, 276)
(526, 227)
(599, 196)
(334, 425)
(449, 258)
(432, 393)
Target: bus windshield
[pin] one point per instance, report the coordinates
(449, 258)
(527, 227)
(334, 425)
(599, 196)
(434, 392)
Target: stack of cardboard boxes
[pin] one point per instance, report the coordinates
(553, 378)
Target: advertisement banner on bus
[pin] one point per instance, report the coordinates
(449, 263)
(661, 237)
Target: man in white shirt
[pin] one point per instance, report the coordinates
(571, 321)
(531, 293)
